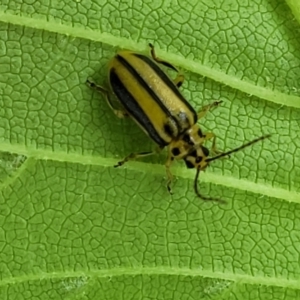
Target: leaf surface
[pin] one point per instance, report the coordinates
(74, 227)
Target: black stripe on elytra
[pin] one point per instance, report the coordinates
(168, 82)
(152, 94)
(133, 107)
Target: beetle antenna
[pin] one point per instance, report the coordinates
(239, 148)
(198, 193)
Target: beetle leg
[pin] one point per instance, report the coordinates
(206, 108)
(179, 78)
(133, 156)
(209, 136)
(118, 112)
(214, 148)
(169, 174)
(160, 61)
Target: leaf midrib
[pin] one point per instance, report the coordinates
(238, 278)
(218, 179)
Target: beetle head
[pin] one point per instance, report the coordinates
(197, 158)
(188, 143)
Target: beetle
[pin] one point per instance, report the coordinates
(152, 99)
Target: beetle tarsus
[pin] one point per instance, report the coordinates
(119, 164)
(169, 189)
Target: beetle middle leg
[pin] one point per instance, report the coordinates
(169, 174)
(214, 149)
(133, 156)
(201, 113)
(179, 78)
(211, 135)
(118, 112)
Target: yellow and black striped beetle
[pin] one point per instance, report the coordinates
(153, 100)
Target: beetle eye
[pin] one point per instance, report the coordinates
(186, 138)
(205, 150)
(193, 153)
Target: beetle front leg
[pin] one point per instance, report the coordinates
(214, 149)
(179, 78)
(169, 174)
(133, 156)
(201, 113)
(118, 112)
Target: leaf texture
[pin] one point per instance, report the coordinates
(74, 227)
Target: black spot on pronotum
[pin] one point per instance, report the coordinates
(186, 138)
(175, 151)
(205, 150)
(200, 133)
(189, 164)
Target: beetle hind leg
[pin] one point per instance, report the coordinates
(178, 81)
(118, 112)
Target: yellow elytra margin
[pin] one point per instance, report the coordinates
(153, 100)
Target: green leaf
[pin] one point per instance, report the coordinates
(74, 227)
